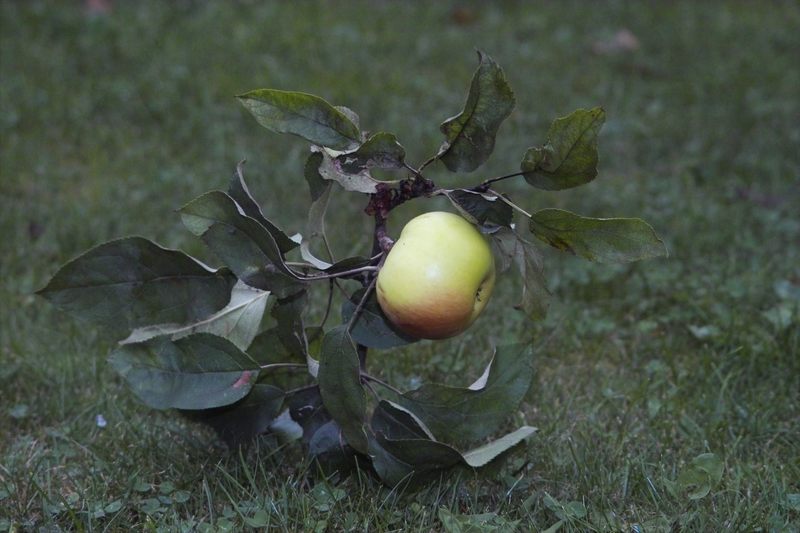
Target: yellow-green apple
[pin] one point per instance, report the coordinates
(437, 278)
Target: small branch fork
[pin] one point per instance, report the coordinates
(381, 202)
(387, 198)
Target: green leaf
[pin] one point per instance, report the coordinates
(200, 371)
(569, 158)
(350, 114)
(569, 512)
(484, 209)
(488, 452)
(151, 506)
(328, 447)
(301, 114)
(424, 456)
(327, 437)
(288, 313)
(241, 242)
(244, 420)
(325, 497)
(403, 448)
(267, 349)
(783, 315)
(260, 519)
(389, 468)
(371, 328)
(380, 150)
(113, 507)
(133, 282)
(320, 189)
(181, 496)
(19, 411)
(241, 195)
(351, 169)
(475, 523)
(535, 294)
(396, 422)
(510, 248)
(612, 240)
(238, 322)
(357, 179)
(554, 528)
(314, 336)
(459, 415)
(470, 135)
(793, 502)
(703, 474)
(340, 386)
(504, 248)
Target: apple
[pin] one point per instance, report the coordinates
(437, 278)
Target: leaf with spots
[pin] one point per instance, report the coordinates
(335, 166)
(569, 158)
(483, 209)
(380, 150)
(470, 135)
(605, 240)
(304, 115)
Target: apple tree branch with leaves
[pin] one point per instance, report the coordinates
(194, 340)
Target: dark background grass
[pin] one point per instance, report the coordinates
(111, 121)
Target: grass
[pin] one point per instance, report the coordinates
(111, 122)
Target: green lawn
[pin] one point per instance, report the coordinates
(111, 122)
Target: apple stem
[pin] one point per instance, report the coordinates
(360, 306)
(284, 365)
(360, 348)
(386, 198)
(368, 377)
(368, 385)
(301, 389)
(382, 239)
(368, 268)
(418, 172)
(484, 186)
(328, 306)
(509, 202)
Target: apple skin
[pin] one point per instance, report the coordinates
(437, 278)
